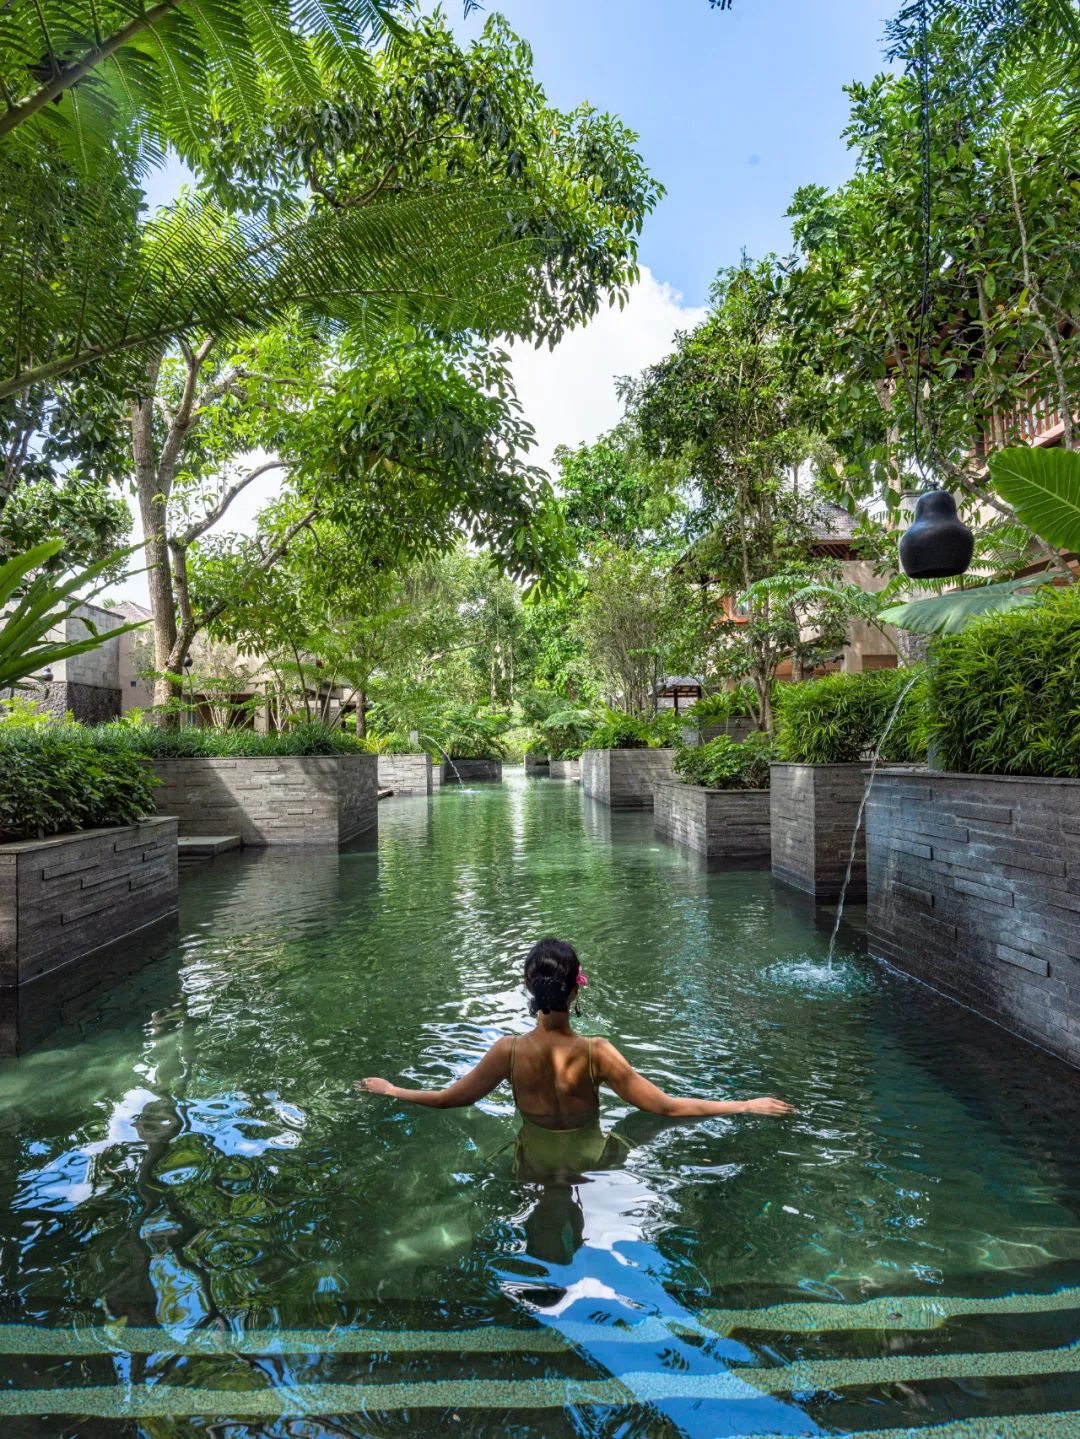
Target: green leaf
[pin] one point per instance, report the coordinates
(948, 614)
(1043, 487)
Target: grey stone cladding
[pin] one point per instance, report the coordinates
(537, 766)
(974, 887)
(66, 897)
(719, 823)
(814, 808)
(469, 771)
(625, 778)
(405, 773)
(274, 799)
(89, 704)
(564, 769)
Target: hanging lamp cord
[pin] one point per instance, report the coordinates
(922, 70)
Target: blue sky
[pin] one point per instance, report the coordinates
(735, 108)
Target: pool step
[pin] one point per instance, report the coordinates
(192, 847)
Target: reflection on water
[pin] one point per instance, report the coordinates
(183, 1154)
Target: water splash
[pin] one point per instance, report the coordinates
(875, 760)
(812, 976)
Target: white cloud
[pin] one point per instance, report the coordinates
(568, 393)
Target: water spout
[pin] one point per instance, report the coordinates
(875, 759)
(446, 757)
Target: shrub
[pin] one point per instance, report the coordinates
(620, 731)
(1003, 695)
(195, 742)
(666, 728)
(740, 702)
(839, 719)
(723, 763)
(473, 736)
(59, 778)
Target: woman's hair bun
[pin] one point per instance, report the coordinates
(551, 971)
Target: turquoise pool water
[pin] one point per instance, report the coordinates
(205, 1232)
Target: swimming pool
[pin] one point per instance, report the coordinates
(204, 1231)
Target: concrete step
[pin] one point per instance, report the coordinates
(205, 846)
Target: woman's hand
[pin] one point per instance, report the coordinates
(374, 1086)
(767, 1105)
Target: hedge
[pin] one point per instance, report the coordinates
(57, 778)
(723, 763)
(840, 718)
(1003, 695)
(307, 738)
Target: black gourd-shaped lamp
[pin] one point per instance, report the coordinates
(937, 545)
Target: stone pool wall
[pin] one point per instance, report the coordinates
(625, 778)
(564, 769)
(813, 812)
(405, 773)
(719, 823)
(974, 888)
(66, 897)
(472, 770)
(272, 799)
(537, 766)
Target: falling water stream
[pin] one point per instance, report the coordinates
(875, 760)
(446, 757)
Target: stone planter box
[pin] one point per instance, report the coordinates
(273, 799)
(405, 773)
(974, 888)
(719, 823)
(472, 770)
(66, 897)
(625, 778)
(814, 808)
(736, 729)
(564, 769)
(537, 766)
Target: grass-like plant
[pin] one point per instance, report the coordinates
(58, 777)
(195, 742)
(1004, 695)
(724, 763)
(839, 719)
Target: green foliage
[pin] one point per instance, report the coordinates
(736, 703)
(467, 735)
(666, 728)
(839, 719)
(1043, 487)
(948, 614)
(33, 603)
(621, 731)
(724, 763)
(1004, 696)
(59, 777)
(303, 738)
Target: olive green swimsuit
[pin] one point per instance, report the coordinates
(543, 1153)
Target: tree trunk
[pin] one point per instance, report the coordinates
(152, 513)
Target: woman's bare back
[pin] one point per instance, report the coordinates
(553, 1078)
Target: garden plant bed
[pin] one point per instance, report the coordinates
(470, 771)
(813, 812)
(405, 773)
(726, 824)
(323, 800)
(625, 778)
(564, 769)
(974, 888)
(68, 896)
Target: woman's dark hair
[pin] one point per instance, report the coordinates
(551, 971)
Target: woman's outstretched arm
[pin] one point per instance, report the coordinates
(624, 1079)
(488, 1075)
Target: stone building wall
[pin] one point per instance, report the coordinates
(88, 684)
(974, 888)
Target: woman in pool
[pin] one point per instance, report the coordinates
(555, 1076)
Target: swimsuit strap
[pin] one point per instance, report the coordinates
(592, 1073)
(513, 1051)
